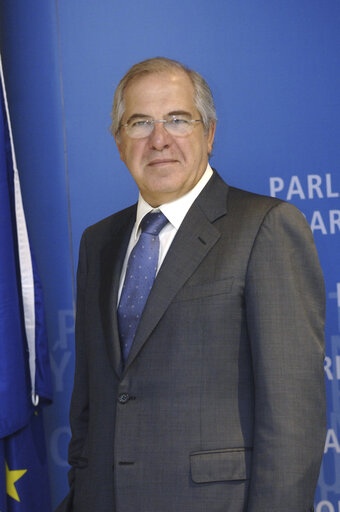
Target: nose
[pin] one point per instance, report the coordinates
(159, 138)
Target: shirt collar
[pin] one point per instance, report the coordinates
(176, 210)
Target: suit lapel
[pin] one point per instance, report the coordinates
(112, 258)
(196, 236)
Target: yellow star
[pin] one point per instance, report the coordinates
(12, 477)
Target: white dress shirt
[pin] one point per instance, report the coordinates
(175, 211)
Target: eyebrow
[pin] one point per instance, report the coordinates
(134, 116)
(179, 113)
(173, 113)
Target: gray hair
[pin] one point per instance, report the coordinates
(202, 94)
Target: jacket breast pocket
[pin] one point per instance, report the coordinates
(207, 289)
(220, 465)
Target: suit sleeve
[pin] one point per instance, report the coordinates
(79, 401)
(285, 316)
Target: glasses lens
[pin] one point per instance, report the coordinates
(179, 125)
(139, 128)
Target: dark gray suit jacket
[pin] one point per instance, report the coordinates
(221, 405)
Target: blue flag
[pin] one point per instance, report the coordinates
(25, 379)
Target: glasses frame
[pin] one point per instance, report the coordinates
(152, 123)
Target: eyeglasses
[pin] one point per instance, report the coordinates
(177, 125)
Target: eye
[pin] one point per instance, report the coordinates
(178, 121)
(136, 123)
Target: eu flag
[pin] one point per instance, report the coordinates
(25, 380)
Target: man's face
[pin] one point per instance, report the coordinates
(164, 166)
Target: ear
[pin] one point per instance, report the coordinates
(211, 136)
(119, 146)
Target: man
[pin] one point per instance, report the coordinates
(201, 388)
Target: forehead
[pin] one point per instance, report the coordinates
(162, 92)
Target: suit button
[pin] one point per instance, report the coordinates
(123, 398)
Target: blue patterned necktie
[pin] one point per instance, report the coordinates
(140, 275)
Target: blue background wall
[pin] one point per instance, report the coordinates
(275, 74)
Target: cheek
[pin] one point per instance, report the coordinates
(125, 154)
(193, 150)
(135, 152)
(185, 151)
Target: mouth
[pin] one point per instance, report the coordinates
(159, 162)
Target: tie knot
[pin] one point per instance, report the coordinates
(153, 222)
